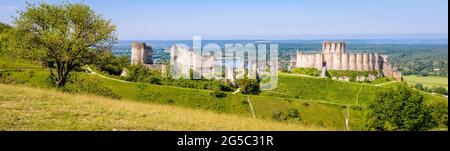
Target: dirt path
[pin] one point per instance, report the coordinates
(381, 84)
(347, 118)
(251, 107)
(89, 70)
(237, 91)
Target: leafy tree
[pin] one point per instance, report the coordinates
(419, 86)
(400, 108)
(114, 65)
(65, 35)
(217, 92)
(440, 113)
(4, 31)
(249, 86)
(291, 114)
(4, 27)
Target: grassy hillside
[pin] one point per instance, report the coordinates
(323, 89)
(428, 81)
(320, 102)
(25, 108)
(312, 112)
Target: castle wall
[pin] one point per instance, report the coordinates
(359, 62)
(344, 62)
(371, 62)
(311, 60)
(297, 60)
(332, 47)
(333, 54)
(352, 61)
(328, 57)
(304, 60)
(365, 62)
(338, 47)
(377, 61)
(319, 61)
(337, 61)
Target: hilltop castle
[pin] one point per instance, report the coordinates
(334, 57)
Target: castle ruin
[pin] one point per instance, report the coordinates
(334, 57)
(141, 54)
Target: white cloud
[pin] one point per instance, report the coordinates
(4, 8)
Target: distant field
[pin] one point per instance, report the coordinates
(428, 81)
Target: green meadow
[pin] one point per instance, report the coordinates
(428, 81)
(322, 103)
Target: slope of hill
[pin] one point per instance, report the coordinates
(26, 108)
(321, 103)
(323, 89)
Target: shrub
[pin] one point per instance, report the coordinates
(249, 86)
(419, 86)
(79, 84)
(112, 64)
(5, 77)
(31, 73)
(170, 101)
(400, 108)
(153, 80)
(291, 114)
(307, 71)
(440, 114)
(350, 73)
(139, 73)
(440, 90)
(217, 93)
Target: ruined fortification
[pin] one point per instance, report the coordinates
(334, 57)
(143, 55)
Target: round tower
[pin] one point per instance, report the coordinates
(140, 53)
(371, 62)
(359, 62)
(304, 60)
(328, 57)
(344, 61)
(311, 60)
(326, 47)
(319, 61)
(365, 62)
(377, 61)
(352, 61)
(336, 61)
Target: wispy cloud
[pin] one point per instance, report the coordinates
(5, 8)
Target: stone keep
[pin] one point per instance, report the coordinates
(334, 56)
(141, 53)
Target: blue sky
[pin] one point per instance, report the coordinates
(266, 19)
